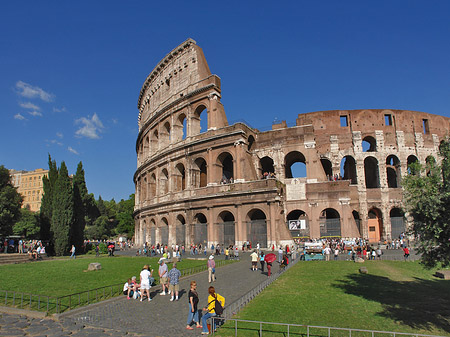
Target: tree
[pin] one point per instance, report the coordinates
(62, 211)
(80, 199)
(125, 217)
(47, 200)
(427, 199)
(28, 225)
(10, 203)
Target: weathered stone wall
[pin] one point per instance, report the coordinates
(197, 185)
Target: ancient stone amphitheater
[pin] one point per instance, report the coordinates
(334, 174)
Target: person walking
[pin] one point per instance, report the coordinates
(210, 309)
(163, 271)
(193, 310)
(174, 277)
(145, 281)
(73, 252)
(269, 268)
(254, 257)
(280, 255)
(211, 269)
(261, 261)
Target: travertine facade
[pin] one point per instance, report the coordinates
(200, 182)
(29, 185)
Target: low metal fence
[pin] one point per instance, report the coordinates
(240, 327)
(28, 301)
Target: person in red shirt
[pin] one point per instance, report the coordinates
(406, 253)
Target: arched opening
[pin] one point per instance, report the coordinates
(180, 178)
(375, 225)
(153, 232)
(430, 165)
(412, 166)
(146, 147)
(397, 217)
(199, 121)
(298, 224)
(251, 141)
(154, 142)
(257, 228)
(165, 135)
(330, 223)
(152, 187)
(267, 167)
(295, 165)
(369, 144)
(179, 131)
(371, 172)
(180, 230)
(164, 231)
(164, 182)
(225, 161)
(348, 169)
(357, 219)
(226, 228)
(199, 229)
(327, 168)
(144, 195)
(393, 171)
(200, 177)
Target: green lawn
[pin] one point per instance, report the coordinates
(394, 296)
(65, 276)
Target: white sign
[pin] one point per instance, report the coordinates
(297, 224)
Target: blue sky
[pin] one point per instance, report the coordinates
(71, 72)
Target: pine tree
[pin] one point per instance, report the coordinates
(62, 211)
(80, 199)
(10, 202)
(47, 200)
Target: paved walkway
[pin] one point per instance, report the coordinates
(160, 317)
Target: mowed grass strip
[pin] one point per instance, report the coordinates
(65, 276)
(393, 296)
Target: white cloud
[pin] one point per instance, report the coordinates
(63, 109)
(29, 91)
(54, 141)
(115, 121)
(19, 117)
(72, 150)
(29, 105)
(59, 135)
(35, 113)
(91, 127)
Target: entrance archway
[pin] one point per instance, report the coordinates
(199, 229)
(330, 223)
(375, 225)
(397, 218)
(298, 224)
(257, 228)
(226, 228)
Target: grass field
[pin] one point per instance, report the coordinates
(394, 296)
(64, 276)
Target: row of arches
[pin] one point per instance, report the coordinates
(295, 167)
(196, 232)
(330, 223)
(172, 130)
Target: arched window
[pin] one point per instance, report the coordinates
(155, 141)
(146, 147)
(152, 188)
(398, 227)
(164, 231)
(179, 178)
(165, 134)
(430, 164)
(371, 172)
(200, 178)
(225, 160)
(266, 167)
(199, 229)
(330, 223)
(164, 182)
(251, 140)
(226, 228)
(298, 223)
(180, 230)
(199, 122)
(257, 228)
(179, 131)
(369, 144)
(357, 219)
(393, 171)
(295, 165)
(412, 167)
(348, 169)
(327, 167)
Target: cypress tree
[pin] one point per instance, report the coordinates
(80, 199)
(62, 211)
(47, 200)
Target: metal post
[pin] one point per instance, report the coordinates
(30, 300)
(260, 329)
(235, 328)
(39, 302)
(6, 297)
(14, 298)
(21, 301)
(47, 303)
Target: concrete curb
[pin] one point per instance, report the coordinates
(23, 312)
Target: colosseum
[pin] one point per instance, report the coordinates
(334, 174)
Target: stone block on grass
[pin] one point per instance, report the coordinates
(363, 270)
(94, 266)
(359, 260)
(445, 274)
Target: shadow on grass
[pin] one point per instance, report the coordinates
(420, 304)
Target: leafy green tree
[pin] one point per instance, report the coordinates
(427, 199)
(10, 203)
(125, 217)
(28, 225)
(47, 201)
(63, 215)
